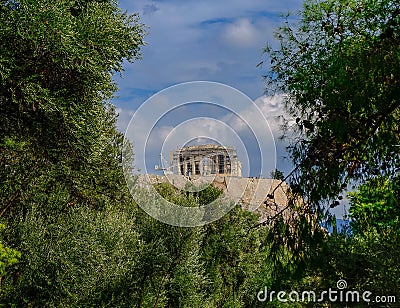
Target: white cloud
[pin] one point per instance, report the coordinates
(225, 129)
(271, 107)
(242, 34)
(124, 116)
(203, 40)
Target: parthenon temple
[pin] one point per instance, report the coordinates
(204, 160)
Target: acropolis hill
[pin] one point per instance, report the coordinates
(220, 167)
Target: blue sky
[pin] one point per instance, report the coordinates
(219, 41)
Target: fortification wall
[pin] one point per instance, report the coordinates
(252, 193)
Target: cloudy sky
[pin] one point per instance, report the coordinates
(216, 41)
(219, 41)
(189, 40)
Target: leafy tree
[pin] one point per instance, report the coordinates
(277, 175)
(366, 257)
(232, 253)
(56, 130)
(224, 262)
(171, 274)
(374, 211)
(338, 64)
(87, 258)
(8, 257)
(58, 142)
(376, 206)
(60, 159)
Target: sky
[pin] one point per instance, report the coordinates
(213, 41)
(218, 41)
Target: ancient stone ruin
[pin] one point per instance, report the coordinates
(205, 160)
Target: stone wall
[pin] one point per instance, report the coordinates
(251, 193)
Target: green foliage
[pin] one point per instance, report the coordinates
(56, 67)
(60, 161)
(8, 256)
(232, 254)
(339, 66)
(376, 206)
(374, 211)
(366, 257)
(60, 151)
(233, 257)
(87, 258)
(170, 271)
(367, 262)
(227, 252)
